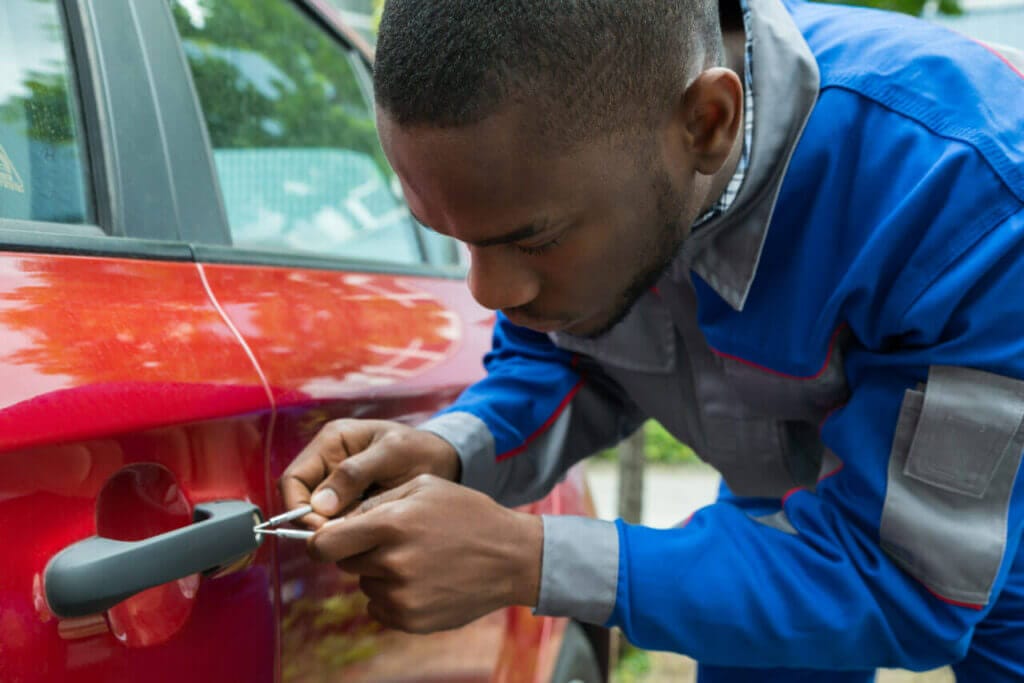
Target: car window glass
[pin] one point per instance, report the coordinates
(42, 159)
(293, 135)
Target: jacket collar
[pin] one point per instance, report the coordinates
(726, 250)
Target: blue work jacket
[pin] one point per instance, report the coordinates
(845, 344)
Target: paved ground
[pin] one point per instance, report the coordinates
(671, 494)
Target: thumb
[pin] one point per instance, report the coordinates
(354, 475)
(358, 531)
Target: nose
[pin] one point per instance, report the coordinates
(498, 280)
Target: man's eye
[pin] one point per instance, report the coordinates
(539, 249)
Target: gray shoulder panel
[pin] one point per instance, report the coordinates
(953, 464)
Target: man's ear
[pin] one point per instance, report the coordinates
(712, 114)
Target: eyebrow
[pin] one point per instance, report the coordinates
(520, 233)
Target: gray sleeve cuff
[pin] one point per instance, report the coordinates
(474, 443)
(579, 568)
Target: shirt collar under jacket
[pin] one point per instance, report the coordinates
(727, 248)
(736, 182)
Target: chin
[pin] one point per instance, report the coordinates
(591, 328)
(544, 326)
(598, 325)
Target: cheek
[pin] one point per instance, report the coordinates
(588, 270)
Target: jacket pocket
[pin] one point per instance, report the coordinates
(954, 459)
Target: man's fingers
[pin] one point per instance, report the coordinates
(313, 521)
(310, 466)
(371, 563)
(386, 496)
(366, 532)
(346, 537)
(333, 444)
(354, 475)
(294, 493)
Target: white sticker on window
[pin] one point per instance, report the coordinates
(9, 178)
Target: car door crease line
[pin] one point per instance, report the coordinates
(238, 336)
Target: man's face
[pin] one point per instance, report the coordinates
(559, 240)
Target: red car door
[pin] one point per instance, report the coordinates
(130, 410)
(348, 309)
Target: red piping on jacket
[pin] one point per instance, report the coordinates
(787, 494)
(1002, 57)
(833, 472)
(819, 373)
(540, 430)
(968, 605)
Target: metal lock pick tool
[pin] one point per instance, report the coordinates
(269, 527)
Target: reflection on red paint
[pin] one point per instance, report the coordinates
(327, 334)
(112, 345)
(83, 314)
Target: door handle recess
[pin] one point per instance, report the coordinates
(95, 574)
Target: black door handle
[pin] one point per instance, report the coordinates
(95, 574)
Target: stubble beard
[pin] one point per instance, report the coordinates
(662, 252)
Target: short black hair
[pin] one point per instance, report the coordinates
(588, 66)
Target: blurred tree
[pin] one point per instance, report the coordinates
(631, 477)
(267, 76)
(913, 7)
(45, 109)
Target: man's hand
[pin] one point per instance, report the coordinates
(348, 457)
(433, 555)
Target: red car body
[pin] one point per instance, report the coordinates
(137, 383)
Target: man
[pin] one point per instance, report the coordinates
(793, 234)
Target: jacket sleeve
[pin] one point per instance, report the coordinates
(897, 553)
(539, 410)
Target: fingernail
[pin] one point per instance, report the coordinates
(325, 502)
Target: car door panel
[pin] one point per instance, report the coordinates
(125, 400)
(335, 344)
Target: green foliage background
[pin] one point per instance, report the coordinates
(914, 7)
(659, 447)
(310, 98)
